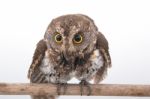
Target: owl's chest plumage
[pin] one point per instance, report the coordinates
(84, 70)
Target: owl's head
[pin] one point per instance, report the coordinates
(72, 35)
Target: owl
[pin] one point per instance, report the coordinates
(72, 47)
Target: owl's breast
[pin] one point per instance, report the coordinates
(58, 71)
(89, 69)
(54, 71)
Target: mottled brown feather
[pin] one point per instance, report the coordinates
(37, 57)
(102, 45)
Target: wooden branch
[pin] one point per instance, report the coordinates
(74, 89)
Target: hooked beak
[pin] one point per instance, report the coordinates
(67, 60)
(68, 56)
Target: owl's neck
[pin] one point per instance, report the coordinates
(72, 61)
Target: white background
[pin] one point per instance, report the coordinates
(125, 23)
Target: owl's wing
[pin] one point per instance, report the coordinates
(102, 45)
(37, 59)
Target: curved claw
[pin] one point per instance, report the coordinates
(59, 87)
(86, 84)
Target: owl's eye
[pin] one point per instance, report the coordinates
(58, 38)
(77, 39)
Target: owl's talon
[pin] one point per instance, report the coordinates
(86, 84)
(59, 87)
(64, 88)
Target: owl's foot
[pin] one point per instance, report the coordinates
(59, 88)
(83, 84)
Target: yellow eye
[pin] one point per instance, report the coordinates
(58, 38)
(77, 39)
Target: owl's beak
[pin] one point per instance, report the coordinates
(68, 52)
(67, 55)
(68, 59)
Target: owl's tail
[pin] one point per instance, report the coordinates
(43, 97)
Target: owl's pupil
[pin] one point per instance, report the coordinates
(58, 38)
(77, 38)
